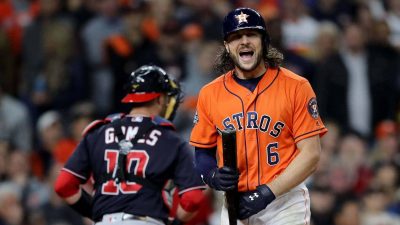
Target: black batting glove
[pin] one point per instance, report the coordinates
(252, 202)
(223, 179)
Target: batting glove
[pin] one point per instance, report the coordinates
(252, 202)
(223, 179)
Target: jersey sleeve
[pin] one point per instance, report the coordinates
(306, 119)
(204, 133)
(78, 164)
(185, 175)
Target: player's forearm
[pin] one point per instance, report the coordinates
(67, 186)
(300, 168)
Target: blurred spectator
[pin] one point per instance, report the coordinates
(81, 11)
(52, 75)
(34, 194)
(207, 13)
(393, 20)
(15, 15)
(374, 211)
(4, 151)
(80, 115)
(128, 50)
(169, 49)
(355, 87)
(293, 59)
(8, 66)
(330, 141)
(267, 8)
(351, 174)
(335, 11)
(11, 211)
(322, 205)
(50, 131)
(96, 31)
(329, 145)
(387, 146)
(327, 42)
(377, 8)
(299, 28)
(364, 18)
(55, 210)
(347, 212)
(15, 123)
(200, 71)
(387, 179)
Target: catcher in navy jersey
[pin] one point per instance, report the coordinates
(131, 157)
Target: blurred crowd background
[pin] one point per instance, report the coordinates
(63, 63)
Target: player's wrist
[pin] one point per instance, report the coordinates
(84, 205)
(265, 191)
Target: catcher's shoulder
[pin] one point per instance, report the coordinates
(96, 124)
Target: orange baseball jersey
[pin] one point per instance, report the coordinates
(269, 121)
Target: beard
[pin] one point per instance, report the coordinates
(237, 64)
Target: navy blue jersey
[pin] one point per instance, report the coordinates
(159, 156)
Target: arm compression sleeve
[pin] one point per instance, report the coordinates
(205, 160)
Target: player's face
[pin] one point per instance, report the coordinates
(245, 49)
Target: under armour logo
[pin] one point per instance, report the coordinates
(254, 196)
(242, 18)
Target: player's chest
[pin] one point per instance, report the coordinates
(250, 111)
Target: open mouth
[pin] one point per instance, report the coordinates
(246, 55)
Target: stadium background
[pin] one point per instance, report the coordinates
(62, 63)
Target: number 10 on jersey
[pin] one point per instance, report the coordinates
(138, 157)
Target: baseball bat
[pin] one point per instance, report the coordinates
(230, 160)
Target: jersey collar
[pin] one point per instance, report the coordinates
(267, 80)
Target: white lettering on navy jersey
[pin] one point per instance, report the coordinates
(129, 133)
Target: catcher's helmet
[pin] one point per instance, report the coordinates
(243, 18)
(148, 82)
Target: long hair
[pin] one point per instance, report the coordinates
(272, 58)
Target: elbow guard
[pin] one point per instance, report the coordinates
(191, 200)
(66, 184)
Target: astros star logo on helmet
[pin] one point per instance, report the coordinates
(242, 17)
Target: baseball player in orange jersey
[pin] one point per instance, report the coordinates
(275, 114)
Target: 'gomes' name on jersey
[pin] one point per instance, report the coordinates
(130, 132)
(253, 121)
